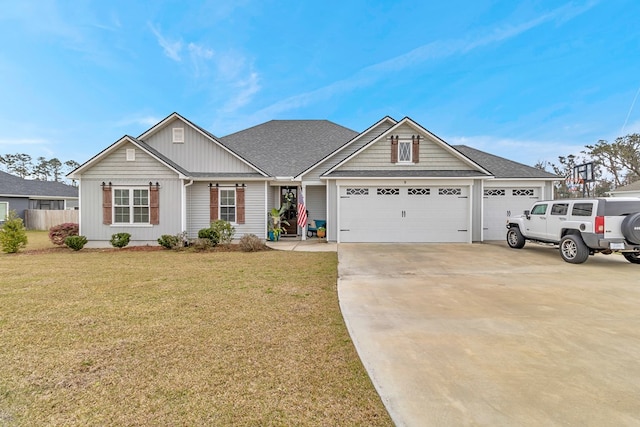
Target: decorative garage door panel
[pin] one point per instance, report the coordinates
(499, 202)
(404, 214)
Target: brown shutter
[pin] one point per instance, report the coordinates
(394, 149)
(154, 204)
(213, 203)
(106, 204)
(416, 149)
(240, 205)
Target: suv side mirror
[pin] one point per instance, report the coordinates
(527, 213)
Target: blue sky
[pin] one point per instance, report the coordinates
(529, 80)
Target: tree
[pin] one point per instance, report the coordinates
(620, 158)
(13, 235)
(18, 164)
(55, 166)
(566, 189)
(41, 170)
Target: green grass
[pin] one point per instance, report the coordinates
(176, 338)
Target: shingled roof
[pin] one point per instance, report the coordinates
(11, 185)
(501, 167)
(288, 147)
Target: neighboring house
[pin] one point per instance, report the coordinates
(393, 182)
(631, 190)
(21, 194)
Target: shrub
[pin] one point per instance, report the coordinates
(168, 241)
(252, 243)
(13, 235)
(75, 242)
(58, 233)
(225, 231)
(120, 240)
(202, 243)
(210, 234)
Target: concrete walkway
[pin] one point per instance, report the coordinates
(309, 245)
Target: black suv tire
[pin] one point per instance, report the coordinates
(632, 257)
(515, 239)
(573, 249)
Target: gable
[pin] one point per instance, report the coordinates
(433, 156)
(348, 149)
(141, 166)
(198, 151)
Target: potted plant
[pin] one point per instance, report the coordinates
(321, 232)
(275, 222)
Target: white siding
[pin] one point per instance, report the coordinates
(198, 153)
(332, 209)
(432, 156)
(316, 202)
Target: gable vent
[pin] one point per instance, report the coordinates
(131, 154)
(178, 135)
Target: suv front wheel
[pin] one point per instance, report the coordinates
(515, 239)
(573, 249)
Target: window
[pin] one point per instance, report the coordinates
(494, 192)
(388, 191)
(404, 152)
(4, 211)
(419, 191)
(449, 191)
(582, 209)
(46, 204)
(178, 135)
(522, 192)
(228, 204)
(131, 206)
(539, 210)
(357, 191)
(559, 209)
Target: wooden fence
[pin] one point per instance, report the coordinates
(39, 219)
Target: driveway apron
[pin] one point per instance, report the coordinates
(480, 334)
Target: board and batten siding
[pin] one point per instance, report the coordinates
(314, 174)
(432, 155)
(198, 153)
(137, 173)
(198, 214)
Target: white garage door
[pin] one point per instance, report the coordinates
(404, 214)
(500, 203)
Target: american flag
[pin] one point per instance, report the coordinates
(302, 211)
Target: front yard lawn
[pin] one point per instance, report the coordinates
(177, 338)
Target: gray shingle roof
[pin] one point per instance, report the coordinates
(11, 185)
(501, 167)
(634, 186)
(288, 147)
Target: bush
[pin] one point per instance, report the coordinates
(13, 235)
(252, 243)
(169, 242)
(58, 233)
(225, 231)
(209, 234)
(120, 240)
(202, 243)
(75, 242)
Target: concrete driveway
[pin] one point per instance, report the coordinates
(485, 335)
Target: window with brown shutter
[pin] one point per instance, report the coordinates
(106, 204)
(154, 204)
(416, 149)
(213, 203)
(394, 149)
(240, 205)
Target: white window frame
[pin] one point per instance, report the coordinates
(222, 206)
(131, 206)
(6, 211)
(409, 151)
(178, 135)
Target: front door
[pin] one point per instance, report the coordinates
(289, 197)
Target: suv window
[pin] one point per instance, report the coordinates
(582, 209)
(616, 208)
(559, 208)
(539, 210)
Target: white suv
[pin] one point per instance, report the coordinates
(581, 227)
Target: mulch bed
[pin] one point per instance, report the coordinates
(147, 248)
